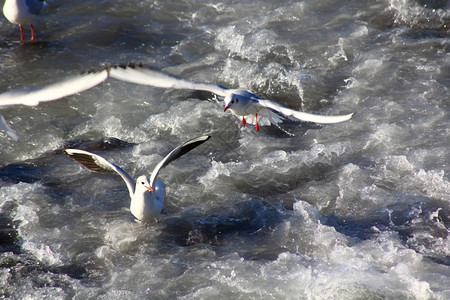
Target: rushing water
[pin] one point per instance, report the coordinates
(356, 210)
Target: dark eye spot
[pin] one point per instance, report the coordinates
(143, 182)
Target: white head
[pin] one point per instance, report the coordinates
(143, 185)
(231, 100)
(238, 101)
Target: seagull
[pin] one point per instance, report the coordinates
(243, 104)
(23, 12)
(147, 195)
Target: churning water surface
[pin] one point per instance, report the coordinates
(358, 209)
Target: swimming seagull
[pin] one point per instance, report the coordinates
(243, 104)
(147, 195)
(23, 12)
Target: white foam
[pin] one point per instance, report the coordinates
(383, 174)
(411, 13)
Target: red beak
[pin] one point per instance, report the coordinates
(226, 107)
(149, 188)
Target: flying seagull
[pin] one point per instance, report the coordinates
(243, 104)
(147, 195)
(23, 12)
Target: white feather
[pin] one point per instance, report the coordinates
(55, 91)
(302, 116)
(145, 76)
(265, 117)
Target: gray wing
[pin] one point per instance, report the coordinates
(302, 115)
(140, 75)
(55, 91)
(176, 153)
(97, 163)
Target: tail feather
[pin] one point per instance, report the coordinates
(265, 118)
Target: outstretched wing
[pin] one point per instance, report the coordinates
(97, 163)
(73, 85)
(176, 153)
(302, 115)
(140, 75)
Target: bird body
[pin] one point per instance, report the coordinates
(245, 105)
(23, 12)
(241, 102)
(147, 195)
(147, 203)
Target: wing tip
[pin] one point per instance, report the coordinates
(340, 118)
(70, 151)
(90, 160)
(94, 71)
(128, 65)
(197, 140)
(348, 116)
(203, 138)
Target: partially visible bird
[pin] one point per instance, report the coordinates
(23, 12)
(147, 195)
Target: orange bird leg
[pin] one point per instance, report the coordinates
(243, 122)
(32, 32)
(21, 33)
(256, 122)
